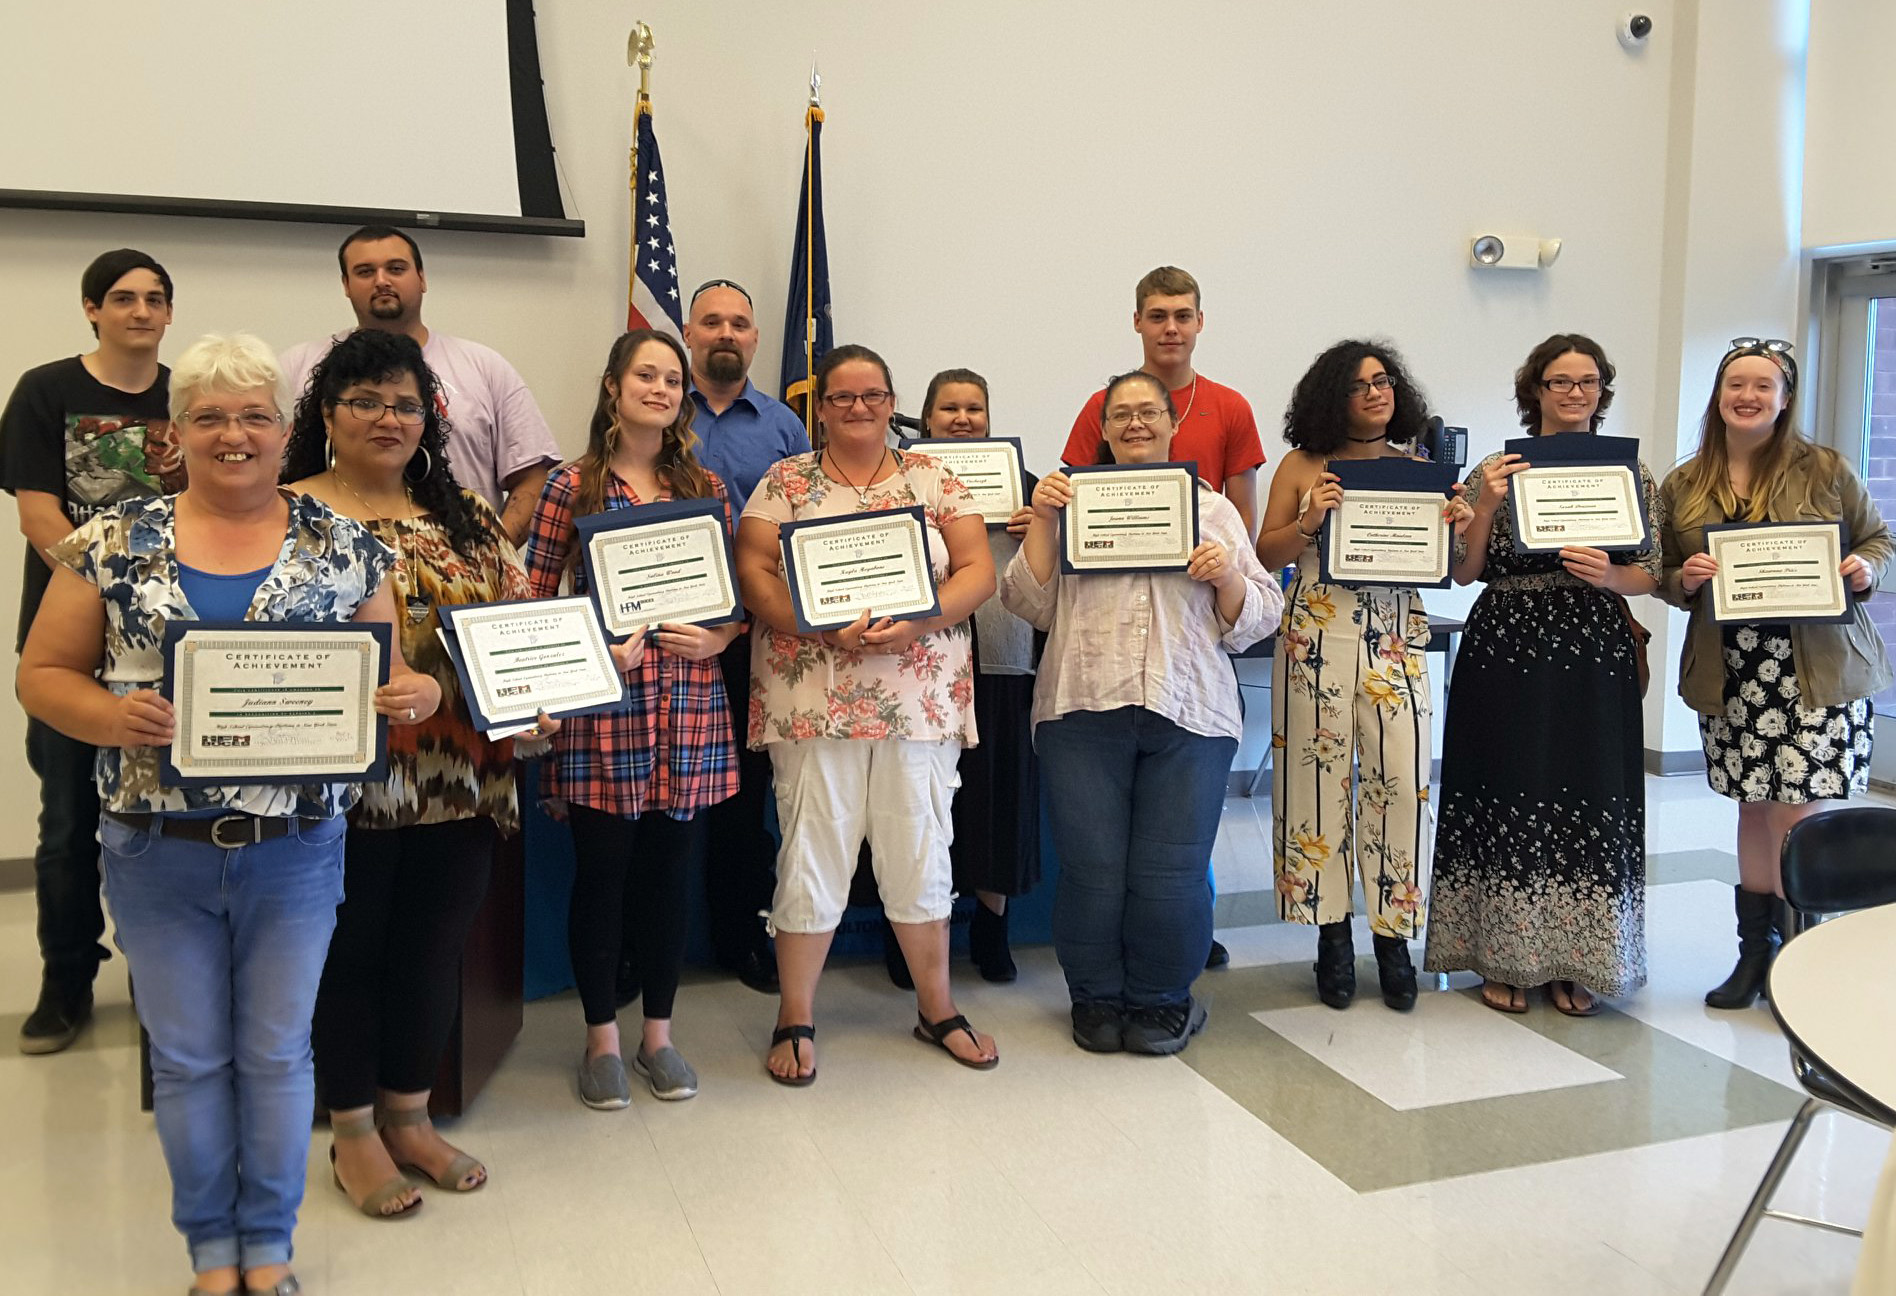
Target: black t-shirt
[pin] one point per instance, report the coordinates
(89, 445)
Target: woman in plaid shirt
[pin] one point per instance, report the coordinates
(631, 782)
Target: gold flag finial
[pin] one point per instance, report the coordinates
(638, 54)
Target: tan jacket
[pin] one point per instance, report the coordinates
(1835, 664)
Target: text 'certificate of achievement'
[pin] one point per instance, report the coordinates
(839, 568)
(518, 659)
(275, 702)
(669, 561)
(1130, 517)
(1389, 529)
(1582, 490)
(990, 467)
(1778, 571)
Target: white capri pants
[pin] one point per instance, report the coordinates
(831, 793)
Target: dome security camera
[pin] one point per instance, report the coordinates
(1635, 29)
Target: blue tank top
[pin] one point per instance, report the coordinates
(217, 597)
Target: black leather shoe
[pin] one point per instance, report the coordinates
(62, 1012)
(1218, 957)
(1336, 964)
(1395, 971)
(757, 969)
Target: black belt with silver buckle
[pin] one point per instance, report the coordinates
(226, 832)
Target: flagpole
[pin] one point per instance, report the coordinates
(638, 53)
(810, 118)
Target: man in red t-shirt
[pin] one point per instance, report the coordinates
(1215, 425)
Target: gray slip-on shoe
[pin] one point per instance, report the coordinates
(602, 1082)
(671, 1076)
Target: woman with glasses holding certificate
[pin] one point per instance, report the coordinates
(864, 720)
(1349, 683)
(633, 782)
(369, 441)
(1540, 853)
(1780, 656)
(224, 895)
(1136, 721)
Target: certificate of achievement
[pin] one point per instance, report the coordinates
(275, 702)
(1389, 529)
(1130, 517)
(1778, 571)
(838, 568)
(990, 467)
(518, 659)
(669, 561)
(1582, 490)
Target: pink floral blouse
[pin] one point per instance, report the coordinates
(803, 689)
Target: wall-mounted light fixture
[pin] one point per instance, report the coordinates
(1512, 252)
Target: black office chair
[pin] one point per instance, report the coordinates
(1833, 863)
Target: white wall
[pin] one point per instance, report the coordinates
(999, 175)
(1849, 183)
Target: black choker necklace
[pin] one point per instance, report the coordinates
(1369, 440)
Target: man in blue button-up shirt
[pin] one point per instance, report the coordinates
(741, 433)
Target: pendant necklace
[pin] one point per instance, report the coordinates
(862, 492)
(401, 532)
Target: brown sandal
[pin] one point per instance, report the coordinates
(1517, 998)
(357, 1127)
(1555, 989)
(937, 1033)
(458, 1169)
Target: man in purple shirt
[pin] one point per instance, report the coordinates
(741, 433)
(501, 446)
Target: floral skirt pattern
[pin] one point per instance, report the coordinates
(1769, 746)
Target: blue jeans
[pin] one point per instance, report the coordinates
(226, 948)
(1134, 801)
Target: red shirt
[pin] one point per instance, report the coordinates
(1216, 428)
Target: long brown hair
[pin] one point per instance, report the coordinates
(677, 466)
(1527, 379)
(1707, 475)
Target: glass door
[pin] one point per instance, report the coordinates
(1860, 334)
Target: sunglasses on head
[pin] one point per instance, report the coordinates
(1777, 350)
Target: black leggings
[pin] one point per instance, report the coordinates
(634, 867)
(391, 987)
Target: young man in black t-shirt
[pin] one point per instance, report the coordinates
(78, 435)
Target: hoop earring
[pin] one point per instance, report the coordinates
(426, 473)
(330, 452)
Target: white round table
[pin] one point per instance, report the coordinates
(1830, 990)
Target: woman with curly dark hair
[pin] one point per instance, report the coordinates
(368, 440)
(1349, 685)
(1540, 858)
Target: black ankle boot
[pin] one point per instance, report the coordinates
(1336, 964)
(1757, 945)
(987, 944)
(1395, 971)
(892, 958)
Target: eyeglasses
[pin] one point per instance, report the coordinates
(842, 401)
(1362, 386)
(250, 420)
(1776, 346)
(1562, 384)
(369, 410)
(1123, 418)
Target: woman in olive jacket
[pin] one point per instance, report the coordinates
(1784, 711)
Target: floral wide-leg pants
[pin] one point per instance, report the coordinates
(1350, 741)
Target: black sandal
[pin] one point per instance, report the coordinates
(793, 1034)
(937, 1033)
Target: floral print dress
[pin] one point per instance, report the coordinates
(1350, 709)
(801, 689)
(1769, 746)
(1540, 859)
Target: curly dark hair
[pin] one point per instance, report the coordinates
(374, 355)
(1317, 421)
(1527, 379)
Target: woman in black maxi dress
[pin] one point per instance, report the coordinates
(1540, 867)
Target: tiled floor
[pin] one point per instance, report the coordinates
(1290, 1150)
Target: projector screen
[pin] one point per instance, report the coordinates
(413, 112)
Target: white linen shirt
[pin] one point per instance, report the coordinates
(1148, 639)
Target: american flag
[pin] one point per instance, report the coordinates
(653, 300)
